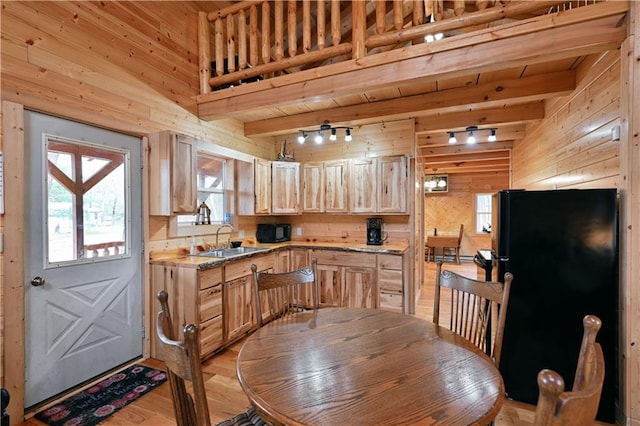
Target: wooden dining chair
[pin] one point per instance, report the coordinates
(580, 406)
(476, 310)
(457, 248)
(182, 360)
(278, 294)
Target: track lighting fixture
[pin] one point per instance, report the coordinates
(319, 133)
(471, 134)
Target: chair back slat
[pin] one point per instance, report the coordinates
(280, 294)
(580, 405)
(477, 309)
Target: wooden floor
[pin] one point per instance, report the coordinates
(226, 398)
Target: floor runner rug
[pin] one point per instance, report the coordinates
(101, 400)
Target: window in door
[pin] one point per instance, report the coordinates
(87, 206)
(483, 213)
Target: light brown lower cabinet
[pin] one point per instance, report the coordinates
(195, 297)
(342, 279)
(239, 311)
(220, 300)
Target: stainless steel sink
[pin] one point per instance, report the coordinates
(231, 252)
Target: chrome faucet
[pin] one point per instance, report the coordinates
(218, 231)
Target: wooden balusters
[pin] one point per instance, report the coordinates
(359, 29)
(219, 54)
(231, 44)
(397, 14)
(418, 12)
(292, 19)
(242, 40)
(306, 26)
(279, 29)
(204, 53)
(336, 34)
(253, 36)
(266, 32)
(381, 14)
(458, 7)
(321, 22)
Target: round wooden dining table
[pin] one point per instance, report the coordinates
(344, 366)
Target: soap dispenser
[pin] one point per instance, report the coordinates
(193, 249)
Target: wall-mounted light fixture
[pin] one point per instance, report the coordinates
(436, 183)
(471, 132)
(319, 133)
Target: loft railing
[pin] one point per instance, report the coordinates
(249, 41)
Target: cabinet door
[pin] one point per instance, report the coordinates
(238, 307)
(313, 188)
(335, 186)
(262, 186)
(299, 258)
(283, 261)
(285, 187)
(172, 174)
(329, 283)
(392, 184)
(184, 197)
(363, 185)
(359, 288)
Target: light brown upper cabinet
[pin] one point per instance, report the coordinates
(324, 187)
(172, 174)
(285, 187)
(363, 185)
(378, 185)
(336, 174)
(392, 184)
(262, 182)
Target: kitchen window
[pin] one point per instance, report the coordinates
(483, 213)
(214, 177)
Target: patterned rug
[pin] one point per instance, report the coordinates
(98, 402)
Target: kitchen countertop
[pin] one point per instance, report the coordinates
(173, 258)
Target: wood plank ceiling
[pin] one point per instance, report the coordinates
(506, 91)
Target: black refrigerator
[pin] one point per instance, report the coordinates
(562, 248)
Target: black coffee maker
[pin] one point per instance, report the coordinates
(374, 231)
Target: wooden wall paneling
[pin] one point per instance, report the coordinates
(572, 145)
(629, 375)
(13, 256)
(374, 140)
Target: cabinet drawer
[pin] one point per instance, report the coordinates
(242, 268)
(210, 303)
(389, 261)
(391, 302)
(210, 335)
(390, 281)
(210, 277)
(343, 258)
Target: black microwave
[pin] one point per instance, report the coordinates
(273, 233)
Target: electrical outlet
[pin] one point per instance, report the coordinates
(299, 230)
(241, 234)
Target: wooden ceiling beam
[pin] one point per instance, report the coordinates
(429, 151)
(506, 133)
(480, 117)
(534, 41)
(525, 89)
(474, 157)
(467, 167)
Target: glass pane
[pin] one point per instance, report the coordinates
(86, 214)
(211, 184)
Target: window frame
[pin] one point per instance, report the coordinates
(477, 213)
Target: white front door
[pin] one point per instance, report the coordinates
(83, 253)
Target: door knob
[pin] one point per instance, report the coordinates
(37, 281)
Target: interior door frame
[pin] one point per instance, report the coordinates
(13, 340)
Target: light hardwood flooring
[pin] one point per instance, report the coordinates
(226, 398)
